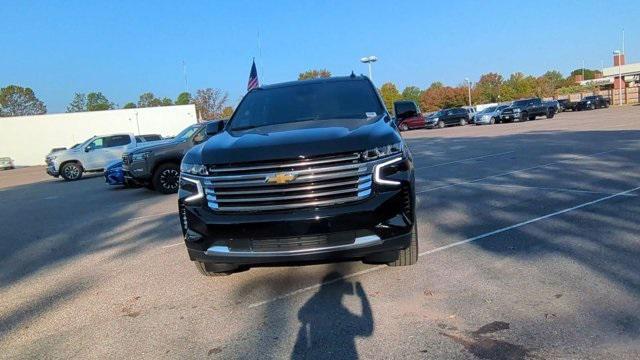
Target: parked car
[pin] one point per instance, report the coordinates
(593, 102)
(113, 174)
(553, 104)
(306, 171)
(566, 104)
(527, 109)
(93, 155)
(490, 115)
(6, 163)
(471, 114)
(408, 115)
(447, 117)
(148, 137)
(157, 165)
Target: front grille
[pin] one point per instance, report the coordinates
(319, 181)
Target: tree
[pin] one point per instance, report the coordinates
(18, 101)
(518, 86)
(96, 101)
(183, 99)
(78, 104)
(227, 112)
(148, 100)
(389, 94)
(487, 89)
(588, 73)
(166, 102)
(441, 97)
(210, 103)
(129, 105)
(412, 93)
(314, 74)
(549, 83)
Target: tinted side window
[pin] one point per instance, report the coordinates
(200, 136)
(96, 144)
(118, 140)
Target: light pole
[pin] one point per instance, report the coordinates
(469, 85)
(620, 82)
(368, 60)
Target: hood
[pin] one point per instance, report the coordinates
(152, 145)
(292, 140)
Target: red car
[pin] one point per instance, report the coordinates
(408, 115)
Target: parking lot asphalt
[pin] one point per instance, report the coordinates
(529, 240)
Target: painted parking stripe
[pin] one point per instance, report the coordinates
(463, 160)
(449, 246)
(579, 191)
(154, 215)
(505, 173)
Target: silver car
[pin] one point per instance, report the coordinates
(490, 115)
(6, 163)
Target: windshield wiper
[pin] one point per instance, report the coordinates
(247, 127)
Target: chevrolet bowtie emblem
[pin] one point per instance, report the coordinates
(281, 178)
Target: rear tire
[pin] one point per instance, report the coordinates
(404, 127)
(492, 121)
(71, 171)
(408, 256)
(166, 178)
(550, 114)
(463, 122)
(440, 124)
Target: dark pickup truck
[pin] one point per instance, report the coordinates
(527, 109)
(157, 165)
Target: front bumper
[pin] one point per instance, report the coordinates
(381, 223)
(136, 171)
(52, 170)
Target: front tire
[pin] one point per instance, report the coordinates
(463, 122)
(492, 121)
(408, 256)
(404, 127)
(166, 178)
(71, 171)
(202, 269)
(550, 114)
(441, 124)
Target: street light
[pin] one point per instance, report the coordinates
(469, 85)
(620, 82)
(368, 60)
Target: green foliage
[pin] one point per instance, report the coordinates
(19, 101)
(412, 93)
(129, 105)
(389, 94)
(487, 89)
(588, 73)
(183, 99)
(78, 104)
(166, 101)
(314, 74)
(227, 112)
(210, 103)
(148, 100)
(96, 101)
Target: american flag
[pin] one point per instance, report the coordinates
(253, 77)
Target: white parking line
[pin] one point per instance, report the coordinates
(463, 160)
(172, 245)
(504, 173)
(449, 246)
(551, 189)
(155, 215)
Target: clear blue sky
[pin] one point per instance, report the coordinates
(125, 48)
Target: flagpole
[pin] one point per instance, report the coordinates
(260, 57)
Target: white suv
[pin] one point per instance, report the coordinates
(91, 156)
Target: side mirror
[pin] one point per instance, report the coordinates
(215, 127)
(87, 149)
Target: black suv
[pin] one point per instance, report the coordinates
(303, 172)
(528, 109)
(593, 102)
(157, 165)
(446, 117)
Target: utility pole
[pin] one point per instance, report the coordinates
(469, 86)
(184, 73)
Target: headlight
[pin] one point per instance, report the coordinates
(140, 155)
(382, 151)
(193, 169)
(52, 157)
(516, 110)
(378, 169)
(436, 119)
(588, 101)
(485, 117)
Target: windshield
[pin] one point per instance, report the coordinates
(186, 133)
(489, 109)
(348, 99)
(520, 102)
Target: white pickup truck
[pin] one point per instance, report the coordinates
(93, 155)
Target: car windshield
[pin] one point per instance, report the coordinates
(186, 133)
(520, 102)
(489, 109)
(347, 99)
